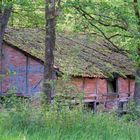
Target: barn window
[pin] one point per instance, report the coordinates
(112, 85)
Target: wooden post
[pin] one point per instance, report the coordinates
(95, 106)
(27, 63)
(83, 84)
(96, 90)
(96, 84)
(129, 94)
(120, 108)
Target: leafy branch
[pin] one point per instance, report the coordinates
(86, 16)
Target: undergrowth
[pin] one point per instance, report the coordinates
(20, 120)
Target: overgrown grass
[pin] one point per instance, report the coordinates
(21, 121)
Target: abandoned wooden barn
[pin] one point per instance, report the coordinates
(97, 67)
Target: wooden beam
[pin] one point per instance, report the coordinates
(129, 92)
(27, 72)
(96, 85)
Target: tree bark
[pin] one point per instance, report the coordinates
(1, 38)
(4, 18)
(137, 84)
(137, 80)
(49, 48)
(137, 89)
(1, 42)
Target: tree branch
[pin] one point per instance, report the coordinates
(100, 22)
(128, 36)
(117, 49)
(58, 7)
(59, 4)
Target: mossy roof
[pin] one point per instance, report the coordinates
(77, 55)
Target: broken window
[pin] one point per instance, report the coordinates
(112, 85)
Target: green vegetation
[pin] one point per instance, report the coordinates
(118, 23)
(19, 120)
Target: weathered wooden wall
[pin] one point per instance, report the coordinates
(99, 86)
(22, 73)
(26, 75)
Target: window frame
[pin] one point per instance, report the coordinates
(116, 85)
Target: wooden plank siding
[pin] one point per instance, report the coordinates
(30, 71)
(19, 73)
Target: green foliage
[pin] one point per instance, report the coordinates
(26, 119)
(25, 13)
(133, 114)
(29, 15)
(112, 20)
(34, 123)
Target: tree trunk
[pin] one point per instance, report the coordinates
(137, 89)
(49, 48)
(4, 18)
(1, 42)
(137, 84)
(1, 37)
(137, 80)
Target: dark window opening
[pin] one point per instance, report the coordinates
(91, 106)
(112, 85)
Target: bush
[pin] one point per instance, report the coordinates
(28, 122)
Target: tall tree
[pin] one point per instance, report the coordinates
(136, 5)
(51, 12)
(5, 12)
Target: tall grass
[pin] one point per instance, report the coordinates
(19, 120)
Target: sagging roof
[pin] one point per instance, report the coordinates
(76, 55)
